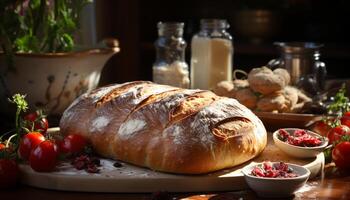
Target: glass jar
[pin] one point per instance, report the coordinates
(212, 54)
(302, 61)
(170, 67)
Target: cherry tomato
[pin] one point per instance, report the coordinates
(59, 143)
(40, 123)
(340, 155)
(29, 141)
(2, 146)
(6, 150)
(345, 120)
(9, 173)
(337, 132)
(73, 143)
(321, 127)
(43, 158)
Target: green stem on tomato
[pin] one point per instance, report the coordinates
(18, 112)
(9, 140)
(22, 105)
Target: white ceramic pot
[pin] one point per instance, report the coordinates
(53, 80)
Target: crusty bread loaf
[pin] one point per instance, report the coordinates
(166, 128)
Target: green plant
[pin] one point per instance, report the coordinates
(338, 107)
(36, 26)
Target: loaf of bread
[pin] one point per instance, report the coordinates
(166, 128)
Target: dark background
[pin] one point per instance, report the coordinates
(133, 23)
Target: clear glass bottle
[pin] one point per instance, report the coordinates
(170, 67)
(212, 54)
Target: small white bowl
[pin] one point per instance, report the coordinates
(276, 187)
(297, 151)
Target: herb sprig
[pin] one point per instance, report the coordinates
(338, 107)
(22, 106)
(14, 136)
(37, 26)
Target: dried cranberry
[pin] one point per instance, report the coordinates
(91, 168)
(117, 165)
(267, 165)
(299, 132)
(284, 135)
(95, 160)
(271, 173)
(257, 171)
(278, 170)
(79, 165)
(88, 163)
(282, 166)
(299, 138)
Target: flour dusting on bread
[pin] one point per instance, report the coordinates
(99, 93)
(166, 128)
(131, 127)
(99, 123)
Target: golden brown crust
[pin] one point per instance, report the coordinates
(166, 128)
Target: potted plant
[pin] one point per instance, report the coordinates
(38, 56)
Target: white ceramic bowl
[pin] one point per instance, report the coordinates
(276, 187)
(296, 151)
(52, 81)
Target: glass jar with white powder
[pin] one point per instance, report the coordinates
(212, 54)
(170, 67)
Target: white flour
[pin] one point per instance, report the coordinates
(177, 133)
(130, 127)
(103, 91)
(99, 123)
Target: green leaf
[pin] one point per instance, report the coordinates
(339, 106)
(40, 26)
(67, 42)
(328, 155)
(20, 101)
(28, 43)
(34, 4)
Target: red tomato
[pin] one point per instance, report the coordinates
(336, 133)
(345, 120)
(321, 127)
(29, 141)
(40, 123)
(2, 146)
(43, 158)
(340, 155)
(9, 173)
(73, 143)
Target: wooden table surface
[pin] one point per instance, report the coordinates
(333, 186)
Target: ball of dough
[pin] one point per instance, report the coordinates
(291, 95)
(265, 81)
(223, 88)
(284, 74)
(272, 102)
(230, 88)
(238, 85)
(247, 97)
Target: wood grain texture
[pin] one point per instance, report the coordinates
(134, 179)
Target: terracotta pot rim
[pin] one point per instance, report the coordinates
(70, 54)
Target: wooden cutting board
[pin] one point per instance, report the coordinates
(130, 178)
